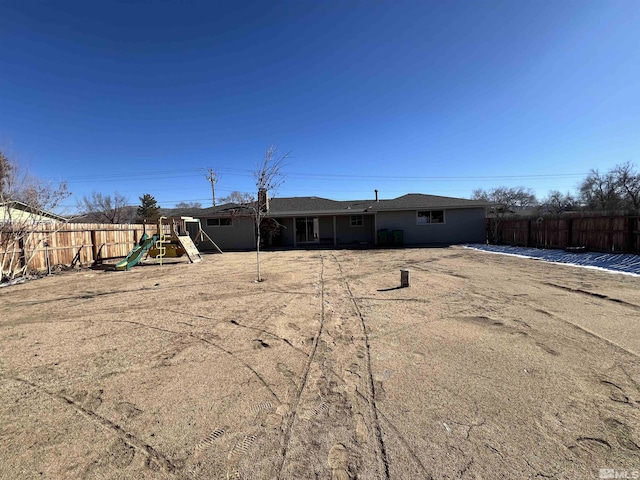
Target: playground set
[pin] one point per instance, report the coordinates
(176, 243)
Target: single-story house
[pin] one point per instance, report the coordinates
(412, 219)
(19, 212)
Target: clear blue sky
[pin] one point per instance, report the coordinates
(402, 96)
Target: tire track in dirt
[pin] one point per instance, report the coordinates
(303, 381)
(249, 327)
(403, 440)
(594, 294)
(407, 446)
(153, 456)
(249, 367)
(266, 332)
(382, 452)
(585, 330)
(599, 337)
(208, 342)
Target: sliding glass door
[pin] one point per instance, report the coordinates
(307, 230)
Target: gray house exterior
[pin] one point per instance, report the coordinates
(412, 219)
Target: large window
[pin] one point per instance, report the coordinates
(356, 221)
(219, 222)
(427, 217)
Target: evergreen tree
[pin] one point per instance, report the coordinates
(5, 174)
(149, 208)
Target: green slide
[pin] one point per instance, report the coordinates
(138, 252)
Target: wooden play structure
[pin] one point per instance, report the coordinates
(172, 240)
(174, 244)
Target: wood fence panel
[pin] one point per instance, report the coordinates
(597, 231)
(607, 234)
(66, 240)
(550, 232)
(514, 232)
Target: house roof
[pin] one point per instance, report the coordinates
(412, 201)
(16, 205)
(220, 209)
(181, 212)
(318, 205)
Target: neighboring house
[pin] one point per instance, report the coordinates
(18, 212)
(309, 221)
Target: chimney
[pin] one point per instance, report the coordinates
(376, 190)
(263, 200)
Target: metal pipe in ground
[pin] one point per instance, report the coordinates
(46, 250)
(404, 278)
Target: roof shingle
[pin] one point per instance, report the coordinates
(319, 205)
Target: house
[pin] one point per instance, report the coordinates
(412, 219)
(18, 212)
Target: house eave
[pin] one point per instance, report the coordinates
(302, 213)
(428, 207)
(318, 213)
(21, 206)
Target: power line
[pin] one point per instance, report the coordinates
(335, 177)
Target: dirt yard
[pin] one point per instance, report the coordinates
(487, 367)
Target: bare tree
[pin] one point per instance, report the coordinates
(557, 202)
(505, 200)
(268, 176)
(240, 198)
(105, 208)
(619, 188)
(36, 200)
(600, 191)
(188, 205)
(628, 181)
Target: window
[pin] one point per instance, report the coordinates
(427, 217)
(356, 221)
(219, 222)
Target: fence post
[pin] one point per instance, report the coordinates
(629, 247)
(94, 246)
(610, 234)
(23, 255)
(570, 233)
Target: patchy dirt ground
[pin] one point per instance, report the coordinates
(486, 367)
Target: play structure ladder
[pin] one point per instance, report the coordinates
(190, 248)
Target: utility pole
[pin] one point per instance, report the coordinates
(212, 176)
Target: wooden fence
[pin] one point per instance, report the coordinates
(66, 244)
(596, 232)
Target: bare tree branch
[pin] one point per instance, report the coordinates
(106, 209)
(600, 191)
(557, 202)
(238, 197)
(506, 200)
(628, 181)
(35, 199)
(268, 176)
